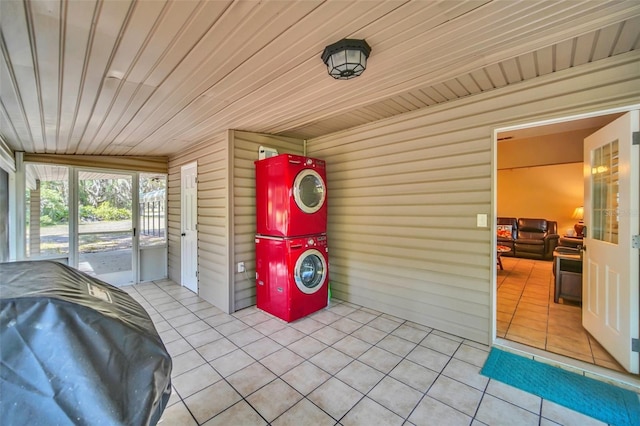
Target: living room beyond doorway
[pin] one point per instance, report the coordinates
(539, 173)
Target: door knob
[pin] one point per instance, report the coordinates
(184, 234)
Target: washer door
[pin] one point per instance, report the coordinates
(309, 191)
(311, 271)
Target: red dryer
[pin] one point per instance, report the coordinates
(291, 196)
(292, 275)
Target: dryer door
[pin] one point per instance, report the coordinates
(309, 191)
(310, 272)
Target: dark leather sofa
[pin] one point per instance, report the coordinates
(528, 237)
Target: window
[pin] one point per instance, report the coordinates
(152, 209)
(605, 193)
(47, 211)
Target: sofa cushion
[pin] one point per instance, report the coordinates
(532, 225)
(531, 236)
(532, 229)
(528, 241)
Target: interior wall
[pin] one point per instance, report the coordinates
(213, 207)
(541, 177)
(405, 192)
(226, 214)
(548, 192)
(558, 148)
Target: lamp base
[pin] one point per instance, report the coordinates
(579, 228)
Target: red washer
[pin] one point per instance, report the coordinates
(292, 275)
(291, 196)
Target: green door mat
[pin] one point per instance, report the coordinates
(610, 404)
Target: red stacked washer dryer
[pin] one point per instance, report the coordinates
(292, 275)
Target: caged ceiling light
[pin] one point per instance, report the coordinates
(346, 59)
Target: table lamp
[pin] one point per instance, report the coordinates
(578, 213)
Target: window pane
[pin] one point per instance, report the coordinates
(152, 222)
(47, 221)
(605, 193)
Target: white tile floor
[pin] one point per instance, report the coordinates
(345, 365)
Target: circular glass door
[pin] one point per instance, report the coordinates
(309, 191)
(310, 271)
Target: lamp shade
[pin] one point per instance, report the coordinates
(346, 59)
(578, 213)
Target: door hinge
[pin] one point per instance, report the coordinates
(196, 226)
(635, 241)
(635, 138)
(635, 345)
(197, 274)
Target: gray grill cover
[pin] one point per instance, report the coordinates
(75, 350)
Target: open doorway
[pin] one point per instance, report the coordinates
(539, 173)
(106, 226)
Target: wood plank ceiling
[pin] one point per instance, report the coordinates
(155, 77)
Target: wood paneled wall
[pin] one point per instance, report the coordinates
(404, 194)
(226, 214)
(131, 163)
(245, 148)
(213, 183)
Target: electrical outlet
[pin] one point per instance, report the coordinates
(240, 266)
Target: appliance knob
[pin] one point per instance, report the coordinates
(311, 242)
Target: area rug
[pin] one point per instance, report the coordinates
(600, 400)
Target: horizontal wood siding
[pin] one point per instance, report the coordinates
(132, 163)
(245, 149)
(404, 194)
(213, 233)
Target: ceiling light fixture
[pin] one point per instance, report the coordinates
(346, 59)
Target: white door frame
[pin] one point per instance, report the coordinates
(494, 276)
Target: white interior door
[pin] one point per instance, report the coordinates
(189, 221)
(610, 264)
